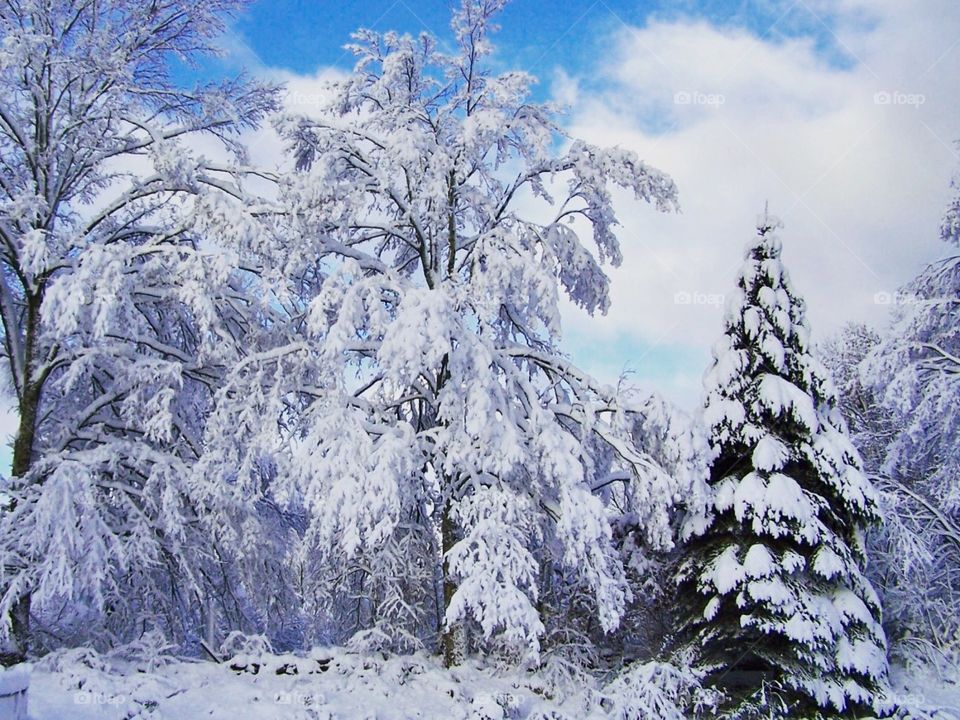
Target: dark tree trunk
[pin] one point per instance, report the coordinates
(22, 460)
(453, 641)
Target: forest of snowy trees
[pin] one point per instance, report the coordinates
(330, 405)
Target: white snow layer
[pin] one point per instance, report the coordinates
(330, 683)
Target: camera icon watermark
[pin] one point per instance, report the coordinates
(695, 97)
(698, 298)
(894, 97)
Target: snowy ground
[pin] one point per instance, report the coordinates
(328, 684)
(929, 689)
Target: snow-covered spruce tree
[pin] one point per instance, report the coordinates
(773, 593)
(422, 397)
(115, 319)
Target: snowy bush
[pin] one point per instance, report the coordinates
(338, 684)
(651, 691)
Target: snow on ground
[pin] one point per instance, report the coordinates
(936, 691)
(333, 684)
(366, 688)
(328, 684)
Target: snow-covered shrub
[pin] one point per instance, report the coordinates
(567, 682)
(148, 652)
(650, 691)
(374, 600)
(242, 650)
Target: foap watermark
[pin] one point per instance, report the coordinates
(698, 298)
(302, 699)
(896, 298)
(695, 97)
(912, 700)
(895, 97)
(295, 99)
(86, 697)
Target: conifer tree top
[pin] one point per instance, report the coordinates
(769, 397)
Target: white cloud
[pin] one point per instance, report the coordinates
(860, 184)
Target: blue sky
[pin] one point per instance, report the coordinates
(576, 39)
(536, 35)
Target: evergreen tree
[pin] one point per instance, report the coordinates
(773, 595)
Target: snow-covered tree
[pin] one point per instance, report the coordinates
(917, 366)
(434, 219)
(774, 597)
(950, 225)
(904, 567)
(677, 441)
(914, 373)
(870, 425)
(117, 312)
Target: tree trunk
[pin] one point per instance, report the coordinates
(22, 459)
(19, 632)
(210, 619)
(454, 639)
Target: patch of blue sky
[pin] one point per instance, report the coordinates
(775, 21)
(669, 369)
(301, 36)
